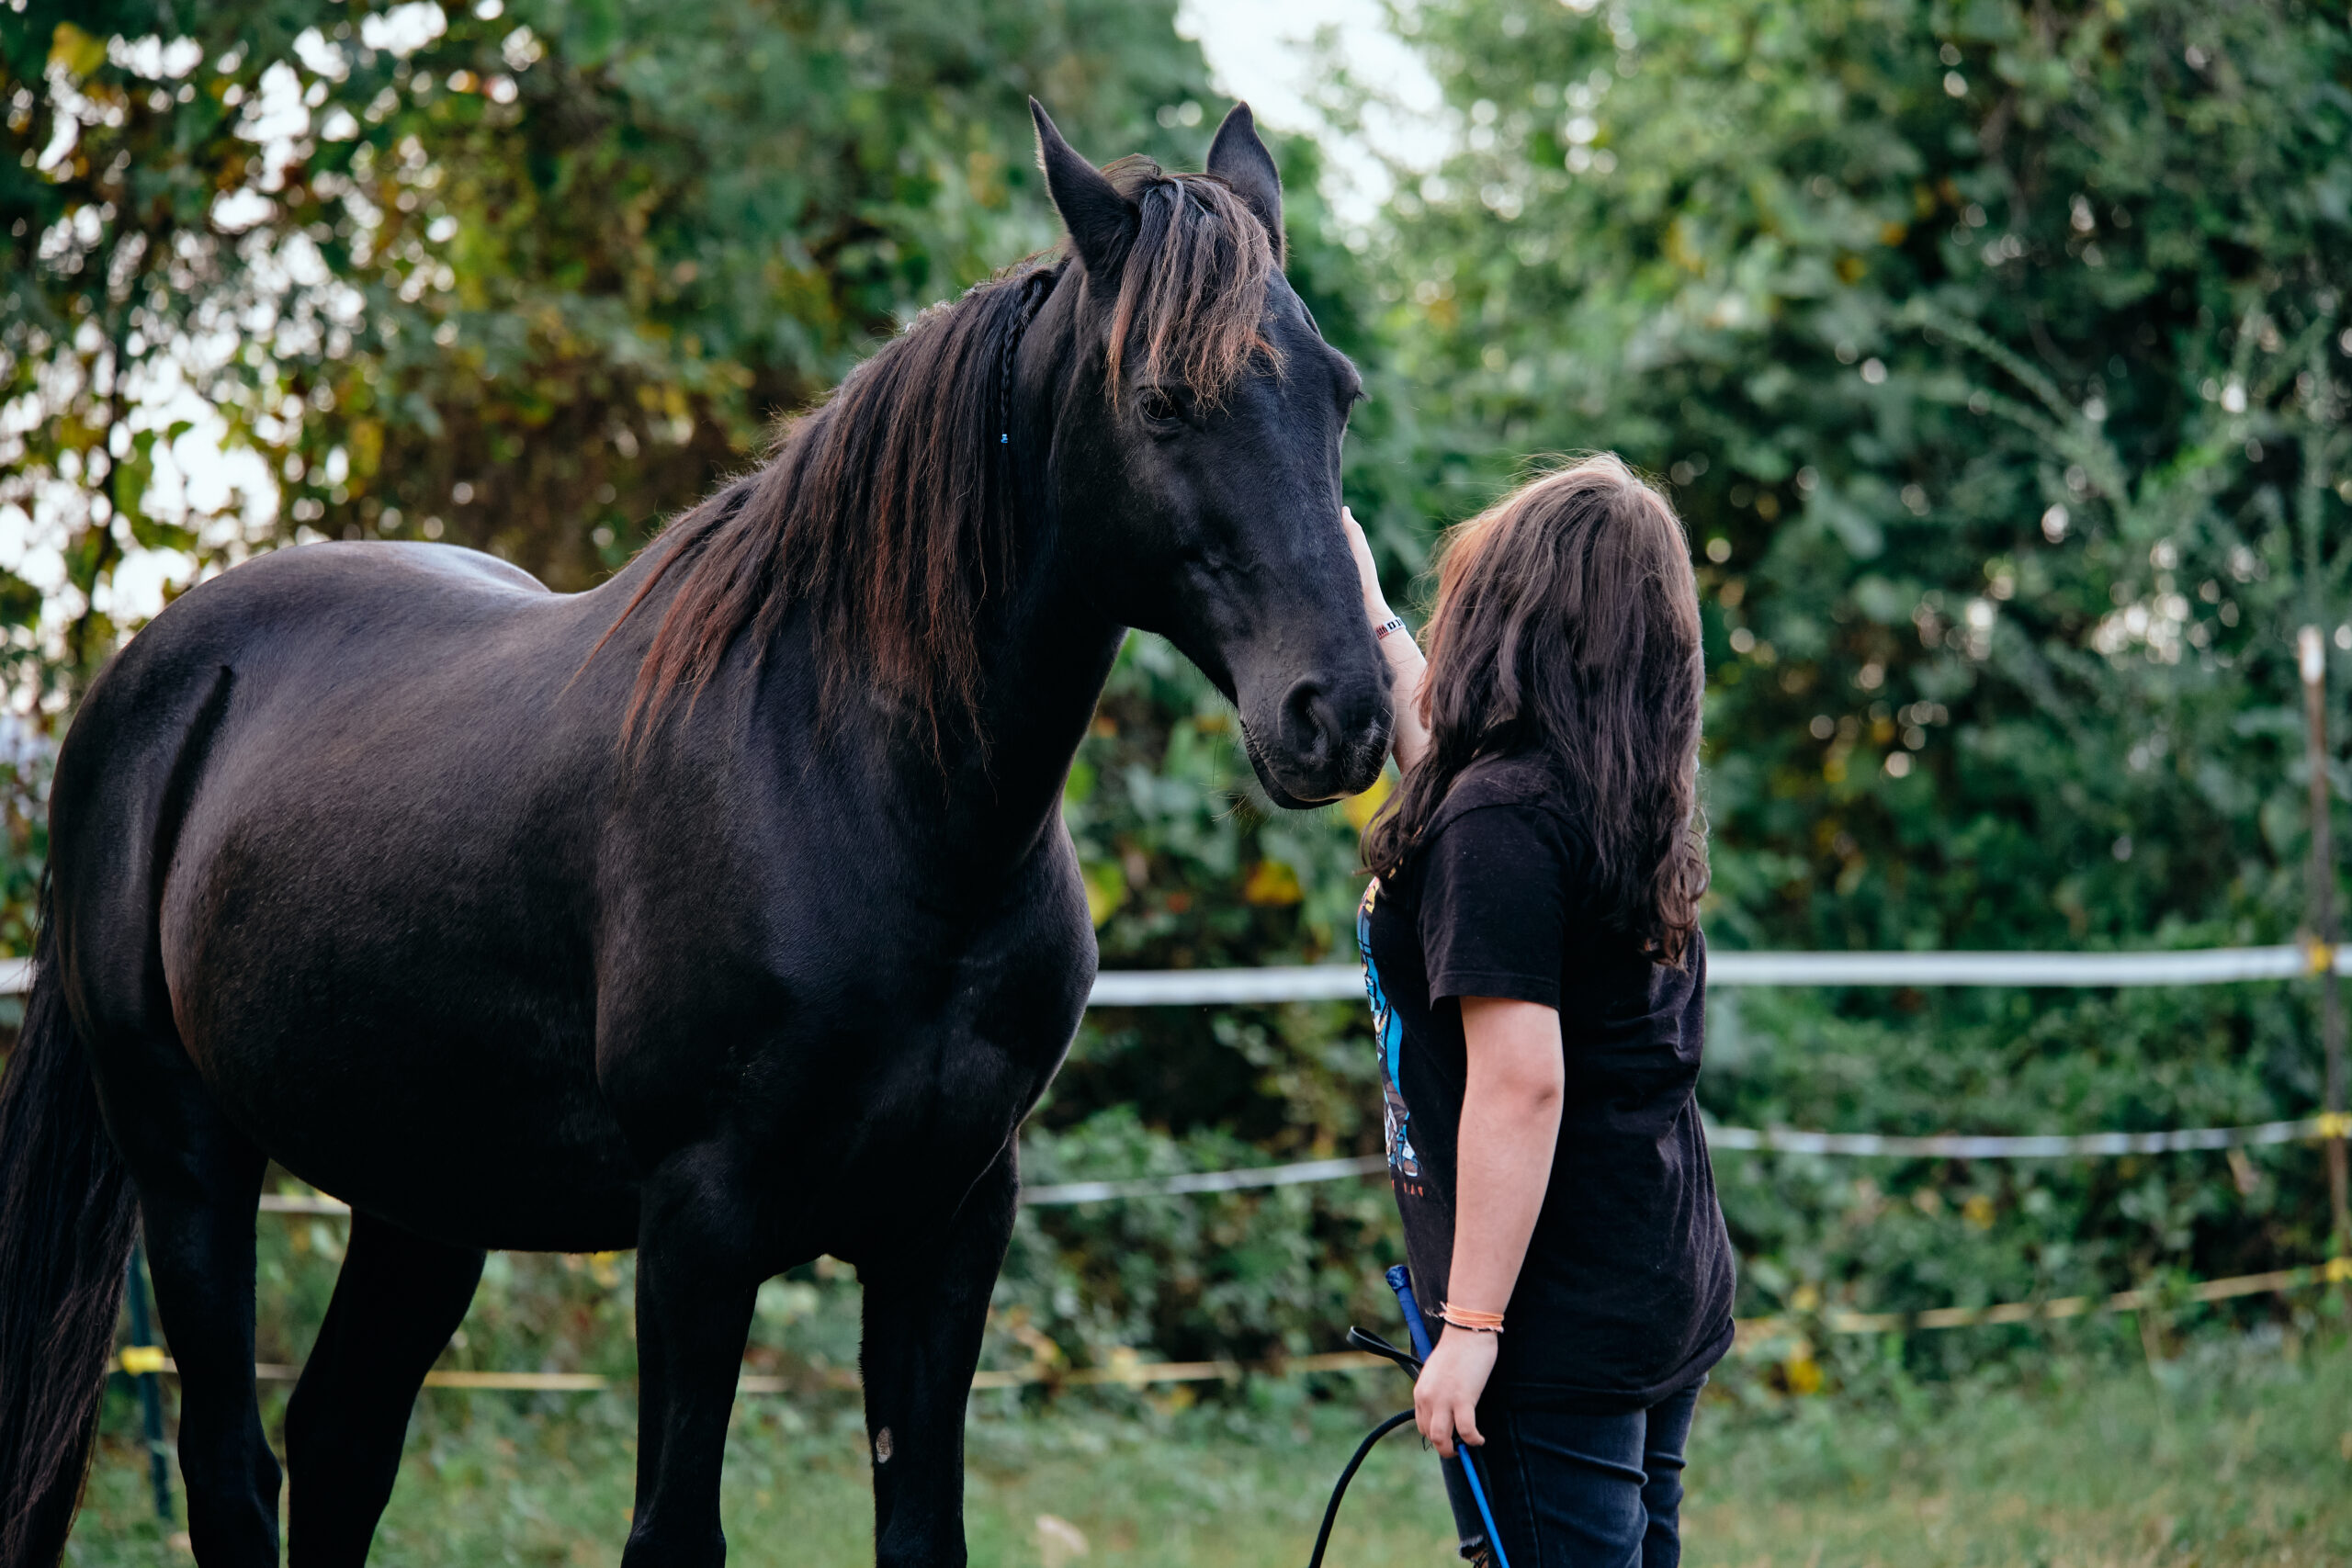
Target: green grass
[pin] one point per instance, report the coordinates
(2232, 1455)
(2235, 1454)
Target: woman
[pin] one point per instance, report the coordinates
(1532, 947)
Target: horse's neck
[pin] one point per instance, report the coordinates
(1046, 652)
(1047, 648)
(1043, 671)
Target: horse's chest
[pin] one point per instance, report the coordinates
(984, 1032)
(999, 1019)
(1009, 978)
(873, 1033)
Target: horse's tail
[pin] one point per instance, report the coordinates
(67, 1218)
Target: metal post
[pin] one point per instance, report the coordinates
(144, 1362)
(2323, 924)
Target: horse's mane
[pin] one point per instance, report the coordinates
(883, 511)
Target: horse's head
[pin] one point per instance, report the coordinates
(1196, 451)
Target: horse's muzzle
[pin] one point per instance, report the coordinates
(1326, 743)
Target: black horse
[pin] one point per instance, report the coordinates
(724, 911)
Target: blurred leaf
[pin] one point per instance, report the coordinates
(75, 52)
(1273, 882)
(1106, 889)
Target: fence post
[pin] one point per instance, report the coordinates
(144, 1362)
(2322, 893)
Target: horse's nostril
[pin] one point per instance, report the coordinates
(1309, 729)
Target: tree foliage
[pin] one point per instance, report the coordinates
(1991, 352)
(1995, 355)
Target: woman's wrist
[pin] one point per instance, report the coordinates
(1399, 647)
(1470, 1319)
(1389, 629)
(1406, 669)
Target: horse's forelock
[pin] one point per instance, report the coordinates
(1192, 293)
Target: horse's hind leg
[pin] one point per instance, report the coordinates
(396, 1303)
(925, 1310)
(198, 1181)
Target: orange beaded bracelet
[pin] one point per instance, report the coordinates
(1475, 1322)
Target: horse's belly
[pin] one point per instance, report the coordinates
(496, 1140)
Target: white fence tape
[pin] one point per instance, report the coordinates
(1055, 1194)
(1204, 1181)
(1226, 987)
(1344, 982)
(2205, 966)
(2053, 1146)
(1768, 1140)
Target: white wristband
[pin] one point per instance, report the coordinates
(1392, 624)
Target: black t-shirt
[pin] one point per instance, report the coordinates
(1625, 1296)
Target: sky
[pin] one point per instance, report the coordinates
(1264, 52)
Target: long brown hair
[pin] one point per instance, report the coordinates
(882, 511)
(1566, 628)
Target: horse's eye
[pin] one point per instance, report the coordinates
(1159, 407)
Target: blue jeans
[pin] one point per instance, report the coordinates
(1573, 1491)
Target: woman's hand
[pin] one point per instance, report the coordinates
(1445, 1396)
(1376, 603)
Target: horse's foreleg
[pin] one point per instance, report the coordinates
(924, 1313)
(695, 1295)
(199, 1183)
(396, 1303)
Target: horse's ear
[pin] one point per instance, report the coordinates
(1101, 222)
(1242, 161)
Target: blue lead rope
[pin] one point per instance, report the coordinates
(1400, 1280)
(1481, 1545)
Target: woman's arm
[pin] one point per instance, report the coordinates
(1511, 1123)
(1404, 655)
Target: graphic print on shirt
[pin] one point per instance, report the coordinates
(1388, 1038)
